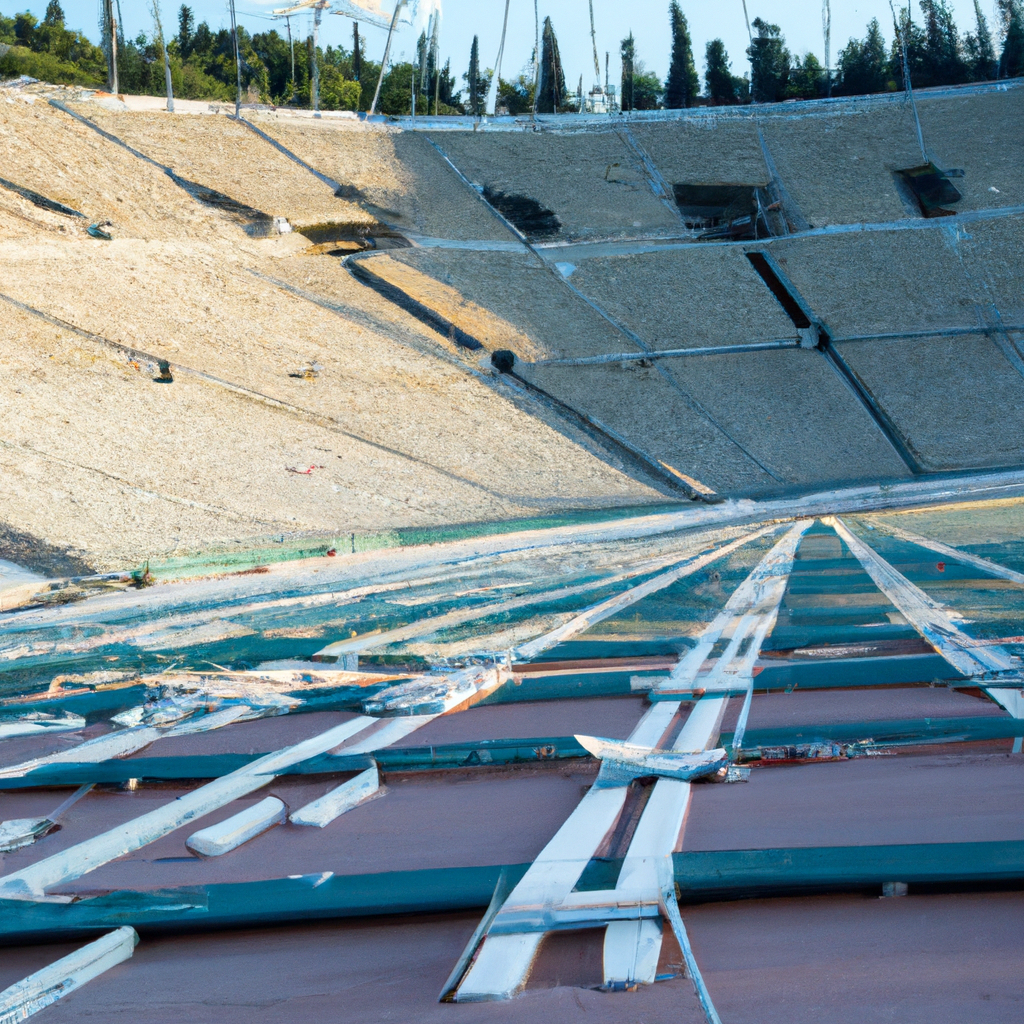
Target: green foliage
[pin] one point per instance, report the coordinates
(186, 30)
(1011, 63)
(770, 63)
(551, 93)
(943, 60)
(338, 92)
(646, 89)
(682, 84)
(863, 65)
(477, 82)
(19, 60)
(806, 79)
(48, 51)
(641, 89)
(718, 82)
(981, 54)
(516, 96)
(627, 52)
(721, 85)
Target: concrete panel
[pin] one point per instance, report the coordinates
(592, 181)
(792, 412)
(957, 401)
(686, 298)
(838, 165)
(524, 292)
(981, 135)
(708, 150)
(373, 972)
(396, 176)
(864, 801)
(940, 959)
(889, 281)
(639, 405)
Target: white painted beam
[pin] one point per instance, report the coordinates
(504, 960)
(36, 724)
(936, 623)
(32, 882)
(747, 618)
(39, 990)
(228, 835)
(321, 812)
(123, 742)
(613, 605)
(19, 832)
(986, 566)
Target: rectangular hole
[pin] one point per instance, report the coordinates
(707, 206)
(778, 289)
(931, 188)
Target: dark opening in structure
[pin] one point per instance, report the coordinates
(366, 236)
(708, 206)
(525, 214)
(767, 274)
(931, 188)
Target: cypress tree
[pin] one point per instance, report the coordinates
(551, 91)
(682, 84)
(186, 29)
(54, 14)
(718, 80)
(357, 55)
(474, 77)
(1011, 63)
(943, 55)
(627, 51)
(770, 63)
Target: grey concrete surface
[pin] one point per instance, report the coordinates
(957, 401)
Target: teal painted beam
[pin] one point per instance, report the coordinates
(908, 731)
(700, 876)
(479, 753)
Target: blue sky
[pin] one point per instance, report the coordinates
(648, 19)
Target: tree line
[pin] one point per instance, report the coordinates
(202, 62)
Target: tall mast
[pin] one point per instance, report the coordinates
(318, 10)
(238, 63)
(492, 92)
(387, 52)
(826, 28)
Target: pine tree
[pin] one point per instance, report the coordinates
(682, 84)
(1011, 63)
(186, 27)
(54, 14)
(944, 62)
(981, 54)
(718, 79)
(863, 66)
(627, 51)
(473, 78)
(770, 63)
(357, 54)
(551, 94)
